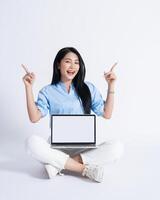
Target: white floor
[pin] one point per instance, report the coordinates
(136, 176)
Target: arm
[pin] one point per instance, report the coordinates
(33, 112)
(110, 77)
(109, 103)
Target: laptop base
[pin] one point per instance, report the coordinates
(78, 146)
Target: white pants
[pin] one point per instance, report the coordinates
(41, 150)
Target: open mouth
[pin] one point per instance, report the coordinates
(70, 72)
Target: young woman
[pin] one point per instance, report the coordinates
(68, 93)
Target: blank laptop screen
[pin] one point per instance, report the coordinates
(73, 129)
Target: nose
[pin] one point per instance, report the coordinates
(72, 65)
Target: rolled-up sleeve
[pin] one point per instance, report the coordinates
(97, 100)
(42, 103)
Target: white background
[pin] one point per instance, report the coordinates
(104, 32)
(31, 32)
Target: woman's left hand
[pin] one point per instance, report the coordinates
(110, 76)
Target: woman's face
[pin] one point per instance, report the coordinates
(69, 67)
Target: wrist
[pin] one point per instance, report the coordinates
(111, 87)
(110, 92)
(28, 87)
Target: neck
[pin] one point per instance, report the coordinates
(67, 84)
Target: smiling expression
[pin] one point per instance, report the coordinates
(69, 67)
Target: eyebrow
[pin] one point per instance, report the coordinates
(71, 59)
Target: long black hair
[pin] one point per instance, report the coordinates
(81, 88)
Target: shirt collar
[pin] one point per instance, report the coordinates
(63, 86)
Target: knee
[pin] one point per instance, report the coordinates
(31, 141)
(117, 149)
(34, 143)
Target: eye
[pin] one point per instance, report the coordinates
(77, 63)
(67, 61)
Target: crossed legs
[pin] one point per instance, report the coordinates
(38, 148)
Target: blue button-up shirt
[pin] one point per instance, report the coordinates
(56, 100)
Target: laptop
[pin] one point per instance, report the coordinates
(73, 131)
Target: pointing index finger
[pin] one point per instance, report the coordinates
(113, 67)
(25, 68)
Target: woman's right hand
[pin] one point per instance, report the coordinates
(29, 79)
